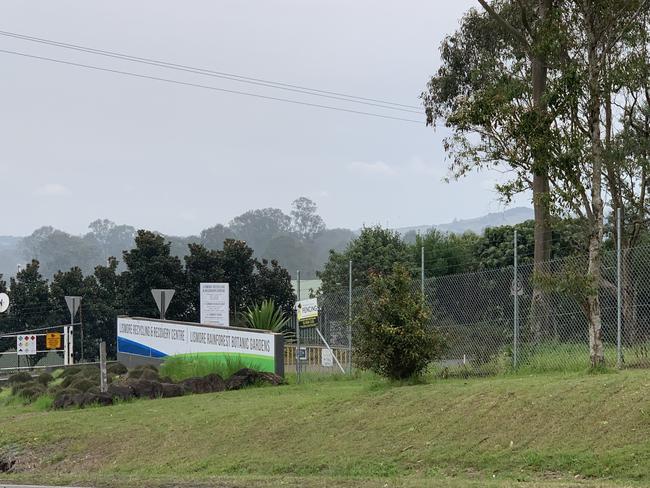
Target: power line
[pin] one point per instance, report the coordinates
(224, 75)
(207, 87)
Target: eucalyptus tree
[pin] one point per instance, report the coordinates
(491, 91)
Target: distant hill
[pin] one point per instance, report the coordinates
(479, 224)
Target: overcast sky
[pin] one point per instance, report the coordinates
(77, 144)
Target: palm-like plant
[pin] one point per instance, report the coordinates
(267, 316)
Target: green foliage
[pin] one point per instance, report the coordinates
(21, 377)
(44, 378)
(43, 402)
(116, 369)
(266, 316)
(179, 368)
(150, 265)
(392, 338)
(376, 250)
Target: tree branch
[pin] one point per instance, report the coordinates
(506, 25)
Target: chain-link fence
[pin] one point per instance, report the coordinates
(475, 313)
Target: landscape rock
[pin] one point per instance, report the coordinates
(146, 388)
(121, 392)
(248, 377)
(197, 385)
(170, 390)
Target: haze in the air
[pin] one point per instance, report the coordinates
(77, 144)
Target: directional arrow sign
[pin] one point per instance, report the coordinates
(162, 297)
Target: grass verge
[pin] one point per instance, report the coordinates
(546, 430)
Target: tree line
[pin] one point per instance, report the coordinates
(107, 292)
(299, 240)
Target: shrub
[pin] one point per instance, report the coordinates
(268, 317)
(44, 378)
(31, 392)
(392, 338)
(82, 384)
(22, 377)
(70, 371)
(117, 369)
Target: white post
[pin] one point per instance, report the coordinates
(103, 377)
(66, 356)
(71, 345)
(298, 365)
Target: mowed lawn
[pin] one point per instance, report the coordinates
(538, 431)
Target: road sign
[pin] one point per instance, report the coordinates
(307, 312)
(53, 340)
(519, 286)
(4, 302)
(73, 305)
(25, 345)
(162, 297)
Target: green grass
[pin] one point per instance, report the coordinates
(179, 368)
(548, 357)
(549, 430)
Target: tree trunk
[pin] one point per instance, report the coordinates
(539, 309)
(596, 350)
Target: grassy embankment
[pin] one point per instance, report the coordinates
(550, 430)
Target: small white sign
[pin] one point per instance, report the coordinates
(215, 304)
(25, 345)
(327, 358)
(4, 302)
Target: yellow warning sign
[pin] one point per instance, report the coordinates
(53, 340)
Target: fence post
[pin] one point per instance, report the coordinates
(515, 293)
(103, 378)
(350, 317)
(298, 366)
(422, 271)
(619, 355)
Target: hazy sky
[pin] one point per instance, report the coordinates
(77, 144)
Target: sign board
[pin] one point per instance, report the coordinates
(4, 302)
(326, 358)
(519, 287)
(53, 340)
(302, 354)
(257, 349)
(215, 304)
(25, 345)
(307, 312)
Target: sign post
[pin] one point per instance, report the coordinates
(73, 303)
(103, 377)
(215, 304)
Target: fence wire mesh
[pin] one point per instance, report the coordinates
(475, 313)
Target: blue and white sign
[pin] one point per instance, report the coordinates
(149, 338)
